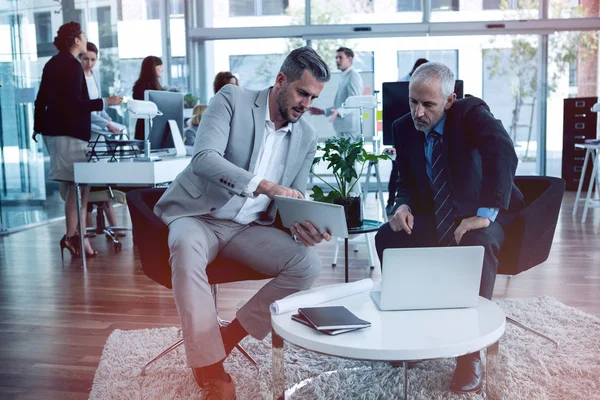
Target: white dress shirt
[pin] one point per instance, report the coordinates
(269, 166)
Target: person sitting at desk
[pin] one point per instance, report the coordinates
(100, 119)
(150, 74)
(456, 168)
(224, 78)
(63, 116)
(189, 133)
(222, 204)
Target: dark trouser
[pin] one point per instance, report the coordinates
(424, 235)
(392, 184)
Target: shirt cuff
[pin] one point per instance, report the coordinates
(488, 212)
(252, 186)
(104, 104)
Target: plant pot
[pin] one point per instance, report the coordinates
(353, 210)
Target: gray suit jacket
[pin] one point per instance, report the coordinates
(227, 146)
(351, 84)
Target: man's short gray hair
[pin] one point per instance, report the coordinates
(302, 59)
(435, 71)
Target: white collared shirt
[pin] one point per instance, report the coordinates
(270, 164)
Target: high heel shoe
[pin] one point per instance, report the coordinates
(70, 244)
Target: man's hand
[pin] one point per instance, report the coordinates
(271, 189)
(469, 224)
(308, 235)
(334, 115)
(315, 111)
(402, 220)
(113, 128)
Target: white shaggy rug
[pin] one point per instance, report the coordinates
(528, 367)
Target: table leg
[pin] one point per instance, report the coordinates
(405, 367)
(489, 368)
(79, 224)
(581, 178)
(380, 193)
(588, 195)
(277, 366)
(346, 257)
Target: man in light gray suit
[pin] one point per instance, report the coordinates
(345, 122)
(251, 146)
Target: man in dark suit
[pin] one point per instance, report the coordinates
(456, 166)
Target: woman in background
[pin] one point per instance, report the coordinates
(150, 74)
(63, 116)
(100, 119)
(224, 78)
(189, 133)
(88, 61)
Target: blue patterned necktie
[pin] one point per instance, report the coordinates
(442, 199)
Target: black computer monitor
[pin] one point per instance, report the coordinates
(395, 105)
(170, 104)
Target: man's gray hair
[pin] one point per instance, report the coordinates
(302, 59)
(435, 71)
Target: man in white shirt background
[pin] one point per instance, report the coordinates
(346, 123)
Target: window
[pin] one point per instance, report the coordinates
(407, 58)
(106, 36)
(43, 34)
(573, 73)
(415, 5)
(153, 7)
(250, 8)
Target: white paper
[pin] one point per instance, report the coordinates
(320, 295)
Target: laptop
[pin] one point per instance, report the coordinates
(430, 278)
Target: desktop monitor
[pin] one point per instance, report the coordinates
(170, 104)
(395, 105)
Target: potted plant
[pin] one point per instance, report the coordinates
(346, 161)
(189, 100)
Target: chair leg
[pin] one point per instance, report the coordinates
(223, 322)
(527, 328)
(165, 352)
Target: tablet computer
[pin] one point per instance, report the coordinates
(324, 216)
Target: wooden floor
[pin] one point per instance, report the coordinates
(55, 318)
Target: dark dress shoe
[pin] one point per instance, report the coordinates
(215, 388)
(468, 375)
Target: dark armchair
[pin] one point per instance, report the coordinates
(529, 236)
(150, 235)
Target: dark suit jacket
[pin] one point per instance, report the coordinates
(480, 156)
(63, 106)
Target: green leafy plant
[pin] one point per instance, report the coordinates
(189, 100)
(346, 161)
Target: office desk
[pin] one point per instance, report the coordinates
(592, 151)
(142, 174)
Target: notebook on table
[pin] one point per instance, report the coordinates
(332, 332)
(332, 317)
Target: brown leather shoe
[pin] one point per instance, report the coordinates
(216, 389)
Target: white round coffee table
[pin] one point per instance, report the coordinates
(393, 336)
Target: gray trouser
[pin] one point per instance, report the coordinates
(195, 242)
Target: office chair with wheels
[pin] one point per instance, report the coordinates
(150, 234)
(530, 234)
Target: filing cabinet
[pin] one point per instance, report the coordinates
(579, 124)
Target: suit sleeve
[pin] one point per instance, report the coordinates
(211, 141)
(71, 101)
(498, 158)
(40, 106)
(301, 179)
(405, 184)
(355, 86)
